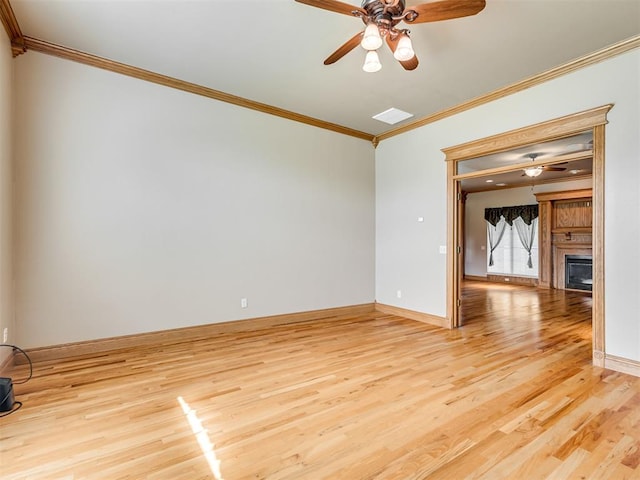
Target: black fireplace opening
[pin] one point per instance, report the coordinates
(578, 272)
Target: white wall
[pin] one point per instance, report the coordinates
(142, 208)
(475, 231)
(411, 181)
(6, 196)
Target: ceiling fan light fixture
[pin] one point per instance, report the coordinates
(371, 40)
(404, 50)
(533, 171)
(381, 18)
(371, 62)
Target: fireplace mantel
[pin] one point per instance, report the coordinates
(565, 223)
(560, 253)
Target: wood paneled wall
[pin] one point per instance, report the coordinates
(566, 220)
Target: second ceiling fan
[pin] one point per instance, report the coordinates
(381, 18)
(536, 170)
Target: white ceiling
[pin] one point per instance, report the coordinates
(547, 151)
(271, 51)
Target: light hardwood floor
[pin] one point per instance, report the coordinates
(511, 395)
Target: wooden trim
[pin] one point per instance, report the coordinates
(500, 279)
(512, 280)
(597, 240)
(545, 270)
(453, 261)
(564, 195)
(476, 278)
(413, 315)
(550, 275)
(99, 62)
(545, 131)
(462, 211)
(7, 364)
(521, 166)
(21, 43)
(564, 126)
(186, 334)
(12, 28)
(582, 62)
(536, 182)
(623, 365)
(598, 358)
(559, 255)
(583, 230)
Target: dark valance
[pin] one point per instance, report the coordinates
(526, 212)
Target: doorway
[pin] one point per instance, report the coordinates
(594, 120)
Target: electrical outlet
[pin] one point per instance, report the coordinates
(5, 335)
(244, 303)
(399, 294)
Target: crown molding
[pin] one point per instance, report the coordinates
(21, 43)
(585, 61)
(66, 53)
(12, 28)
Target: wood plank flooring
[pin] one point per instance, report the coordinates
(510, 395)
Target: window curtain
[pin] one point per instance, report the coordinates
(526, 212)
(498, 219)
(495, 234)
(527, 234)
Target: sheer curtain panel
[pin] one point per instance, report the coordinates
(495, 234)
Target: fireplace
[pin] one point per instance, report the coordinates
(578, 272)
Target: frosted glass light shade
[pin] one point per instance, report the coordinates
(371, 39)
(404, 50)
(372, 62)
(533, 171)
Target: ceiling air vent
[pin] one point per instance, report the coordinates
(392, 116)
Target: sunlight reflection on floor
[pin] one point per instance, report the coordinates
(203, 438)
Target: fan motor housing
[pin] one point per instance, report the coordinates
(380, 12)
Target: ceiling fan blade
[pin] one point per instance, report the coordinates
(445, 10)
(410, 64)
(333, 6)
(554, 169)
(349, 45)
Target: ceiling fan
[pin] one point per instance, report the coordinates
(381, 18)
(534, 171)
